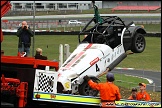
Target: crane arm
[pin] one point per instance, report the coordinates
(96, 13)
(5, 7)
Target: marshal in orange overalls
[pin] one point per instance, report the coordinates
(109, 92)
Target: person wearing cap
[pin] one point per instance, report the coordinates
(109, 92)
(142, 95)
(133, 95)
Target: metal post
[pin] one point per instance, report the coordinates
(60, 55)
(66, 51)
(33, 27)
(153, 87)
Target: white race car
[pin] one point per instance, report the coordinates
(100, 51)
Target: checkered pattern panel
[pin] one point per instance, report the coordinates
(45, 83)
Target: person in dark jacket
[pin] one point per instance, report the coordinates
(24, 33)
(133, 95)
(38, 55)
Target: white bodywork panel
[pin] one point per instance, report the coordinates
(88, 59)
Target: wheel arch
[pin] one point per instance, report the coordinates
(94, 78)
(91, 77)
(138, 29)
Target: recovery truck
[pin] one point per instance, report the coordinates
(24, 85)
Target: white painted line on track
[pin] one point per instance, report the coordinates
(124, 68)
(149, 80)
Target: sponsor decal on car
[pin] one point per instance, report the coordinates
(94, 61)
(67, 85)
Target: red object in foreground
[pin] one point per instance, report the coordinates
(11, 85)
(23, 90)
(29, 61)
(5, 7)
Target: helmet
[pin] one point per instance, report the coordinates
(134, 89)
(110, 77)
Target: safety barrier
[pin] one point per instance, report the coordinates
(47, 32)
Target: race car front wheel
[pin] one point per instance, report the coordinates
(85, 89)
(139, 43)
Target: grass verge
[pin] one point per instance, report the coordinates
(148, 60)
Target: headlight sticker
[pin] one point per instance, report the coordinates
(67, 84)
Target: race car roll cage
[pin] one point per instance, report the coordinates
(102, 29)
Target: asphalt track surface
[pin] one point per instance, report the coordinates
(152, 77)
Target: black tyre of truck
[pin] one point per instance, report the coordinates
(138, 43)
(85, 89)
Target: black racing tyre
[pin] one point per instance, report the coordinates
(138, 43)
(86, 90)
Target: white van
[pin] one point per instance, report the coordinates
(74, 22)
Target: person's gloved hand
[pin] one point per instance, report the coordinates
(86, 78)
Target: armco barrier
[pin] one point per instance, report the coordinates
(153, 34)
(71, 33)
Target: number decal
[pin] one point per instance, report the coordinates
(97, 68)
